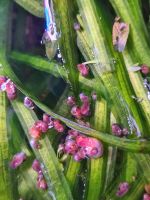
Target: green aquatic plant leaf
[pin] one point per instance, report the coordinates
(137, 145)
(27, 186)
(118, 64)
(109, 78)
(72, 173)
(57, 184)
(131, 13)
(58, 71)
(88, 16)
(98, 35)
(137, 49)
(66, 8)
(26, 181)
(97, 168)
(34, 7)
(38, 63)
(5, 177)
(135, 190)
(71, 168)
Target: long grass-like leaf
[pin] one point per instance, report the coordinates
(134, 145)
(105, 69)
(58, 71)
(24, 177)
(97, 167)
(135, 191)
(72, 172)
(5, 178)
(34, 7)
(130, 166)
(72, 168)
(62, 108)
(65, 8)
(121, 73)
(51, 167)
(130, 12)
(137, 43)
(27, 186)
(5, 181)
(143, 162)
(125, 171)
(111, 161)
(38, 63)
(86, 15)
(128, 144)
(137, 82)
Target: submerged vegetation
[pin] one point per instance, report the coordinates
(74, 100)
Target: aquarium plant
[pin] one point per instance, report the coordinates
(74, 100)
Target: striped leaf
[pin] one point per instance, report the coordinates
(57, 184)
(72, 173)
(124, 143)
(34, 7)
(137, 49)
(97, 168)
(66, 8)
(58, 71)
(24, 179)
(5, 178)
(130, 11)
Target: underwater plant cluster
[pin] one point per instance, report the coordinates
(74, 100)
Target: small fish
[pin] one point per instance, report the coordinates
(120, 34)
(50, 36)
